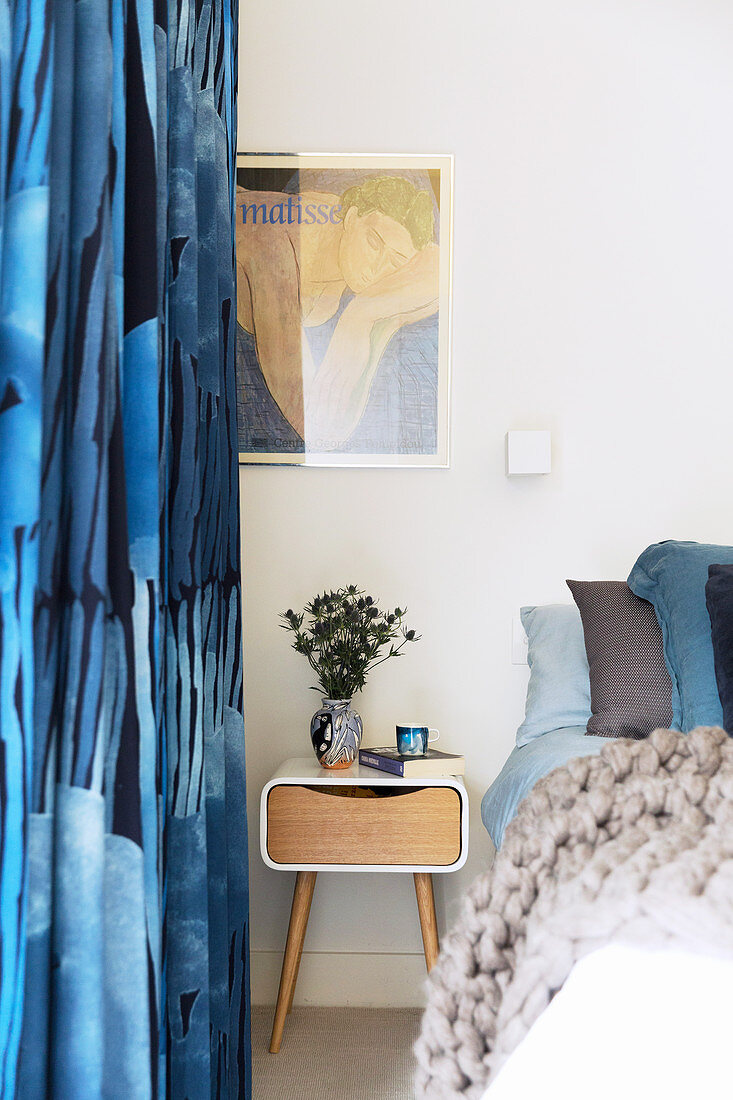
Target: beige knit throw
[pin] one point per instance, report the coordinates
(634, 845)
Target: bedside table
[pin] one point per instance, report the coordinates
(313, 819)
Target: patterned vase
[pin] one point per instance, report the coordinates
(336, 733)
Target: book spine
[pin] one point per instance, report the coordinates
(381, 763)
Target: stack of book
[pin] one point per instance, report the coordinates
(433, 763)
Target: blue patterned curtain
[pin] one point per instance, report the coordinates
(123, 876)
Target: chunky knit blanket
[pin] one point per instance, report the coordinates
(634, 845)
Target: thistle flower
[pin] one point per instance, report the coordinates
(344, 634)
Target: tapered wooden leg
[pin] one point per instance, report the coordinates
(295, 979)
(302, 898)
(428, 923)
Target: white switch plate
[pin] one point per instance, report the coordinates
(520, 645)
(528, 453)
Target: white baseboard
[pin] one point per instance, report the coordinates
(345, 978)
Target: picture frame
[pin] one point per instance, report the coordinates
(344, 309)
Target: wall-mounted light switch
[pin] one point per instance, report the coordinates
(520, 644)
(528, 453)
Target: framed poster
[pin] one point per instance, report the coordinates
(343, 309)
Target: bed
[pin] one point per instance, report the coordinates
(631, 846)
(579, 1031)
(527, 764)
(613, 823)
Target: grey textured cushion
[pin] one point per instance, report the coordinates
(630, 687)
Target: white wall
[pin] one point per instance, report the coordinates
(593, 283)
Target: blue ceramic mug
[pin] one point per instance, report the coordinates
(413, 740)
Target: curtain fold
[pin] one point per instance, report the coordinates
(123, 888)
(25, 69)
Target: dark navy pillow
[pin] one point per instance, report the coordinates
(719, 598)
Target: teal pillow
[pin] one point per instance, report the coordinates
(672, 576)
(558, 694)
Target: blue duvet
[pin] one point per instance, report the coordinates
(525, 766)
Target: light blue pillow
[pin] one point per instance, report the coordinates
(558, 694)
(672, 576)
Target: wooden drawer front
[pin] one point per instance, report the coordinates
(415, 827)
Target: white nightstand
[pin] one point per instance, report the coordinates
(308, 824)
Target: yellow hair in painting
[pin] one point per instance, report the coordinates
(397, 198)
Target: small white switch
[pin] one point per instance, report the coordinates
(528, 453)
(520, 645)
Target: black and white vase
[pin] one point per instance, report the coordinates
(336, 733)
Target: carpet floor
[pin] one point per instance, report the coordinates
(336, 1054)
